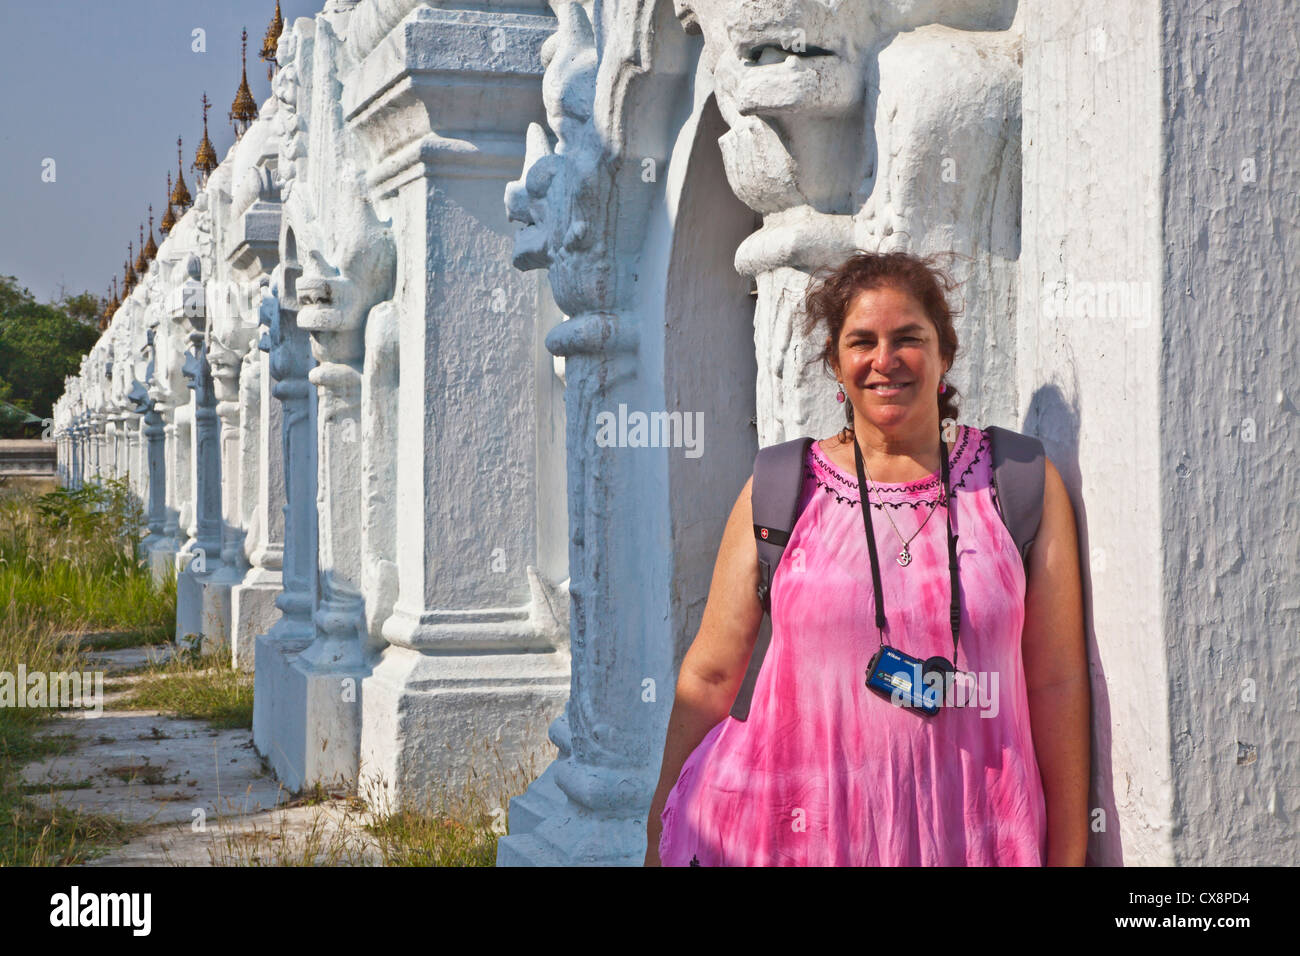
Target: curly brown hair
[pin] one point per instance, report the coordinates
(832, 290)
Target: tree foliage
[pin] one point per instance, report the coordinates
(41, 344)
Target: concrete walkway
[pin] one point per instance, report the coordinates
(203, 794)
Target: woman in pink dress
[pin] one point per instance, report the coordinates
(824, 771)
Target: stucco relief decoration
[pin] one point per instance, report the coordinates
(860, 125)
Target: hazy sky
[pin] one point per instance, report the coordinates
(104, 87)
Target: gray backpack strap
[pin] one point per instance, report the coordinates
(774, 501)
(1019, 477)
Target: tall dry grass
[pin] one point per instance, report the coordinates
(68, 566)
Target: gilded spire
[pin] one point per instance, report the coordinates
(128, 274)
(111, 305)
(243, 111)
(151, 247)
(141, 264)
(107, 314)
(270, 41)
(169, 218)
(205, 160)
(180, 196)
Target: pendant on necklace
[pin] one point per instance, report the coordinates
(904, 557)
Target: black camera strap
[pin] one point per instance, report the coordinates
(954, 613)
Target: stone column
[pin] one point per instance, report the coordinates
(474, 650)
(329, 671)
(176, 443)
(108, 453)
(95, 439)
(153, 467)
(154, 432)
(74, 452)
(226, 363)
(129, 444)
(140, 463)
(200, 557)
(252, 601)
(253, 254)
(279, 719)
(83, 448)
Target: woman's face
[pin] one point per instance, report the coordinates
(888, 360)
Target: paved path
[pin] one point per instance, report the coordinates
(204, 794)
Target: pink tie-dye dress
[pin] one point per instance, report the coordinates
(824, 771)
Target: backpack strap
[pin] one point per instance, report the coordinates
(1019, 477)
(774, 501)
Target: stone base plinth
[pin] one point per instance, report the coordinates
(430, 721)
(189, 603)
(306, 718)
(548, 829)
(252, 612)
(162, 563)
(216, 614)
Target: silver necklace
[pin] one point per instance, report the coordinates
(905, 556)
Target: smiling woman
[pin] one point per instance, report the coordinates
(819, 771)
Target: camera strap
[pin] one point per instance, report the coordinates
(954, 613)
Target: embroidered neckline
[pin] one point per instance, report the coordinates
(845, 489)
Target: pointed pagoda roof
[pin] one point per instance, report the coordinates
(151, 247)
(128, 273)
(169, 217)
(244, 110)
(141, 264)
(180, 196)
(110, 306)
(271, 40)
(205, 159)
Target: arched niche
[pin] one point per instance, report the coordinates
(710, 371)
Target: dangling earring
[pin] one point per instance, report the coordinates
(839, 396)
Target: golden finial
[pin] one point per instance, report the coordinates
(243, 111)
(270, 41)
(180, 196)
(141, 264)
(169, 218)
(128, 274)
(108, 310)
(151, 247)
(205, 160)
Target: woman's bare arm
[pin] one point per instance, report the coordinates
(1056, 675)
(715, 664)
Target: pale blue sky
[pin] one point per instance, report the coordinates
(104, 87)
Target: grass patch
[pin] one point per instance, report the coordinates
(200, 688)
(407, 838)
(71, 556)
(67, 566)
(161, 634)
(144, 774)
(32, 788)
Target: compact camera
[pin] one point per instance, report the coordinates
(908, 681)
